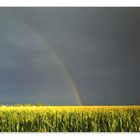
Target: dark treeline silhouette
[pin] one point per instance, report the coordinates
(27, 104)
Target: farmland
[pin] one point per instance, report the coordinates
(70, 119)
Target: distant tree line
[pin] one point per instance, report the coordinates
(27, 104)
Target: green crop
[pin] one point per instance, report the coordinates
(70, 119)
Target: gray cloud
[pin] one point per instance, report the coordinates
(99, 46)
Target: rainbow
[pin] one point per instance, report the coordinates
(75, 90)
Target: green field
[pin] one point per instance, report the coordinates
(70, 119)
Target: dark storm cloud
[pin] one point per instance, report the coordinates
(28, 70)
(99, 46)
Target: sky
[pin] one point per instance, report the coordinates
(68, 56)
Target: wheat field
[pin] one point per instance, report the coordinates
(70, 119)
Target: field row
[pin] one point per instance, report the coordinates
(70, 119)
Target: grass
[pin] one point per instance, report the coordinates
(70, 119)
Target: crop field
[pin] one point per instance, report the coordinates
(70, 119)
